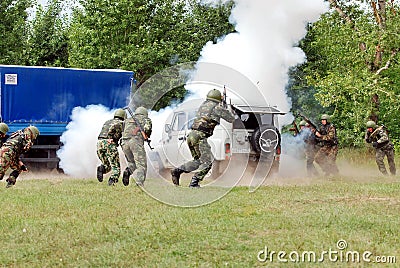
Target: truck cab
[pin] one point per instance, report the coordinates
(254, 132)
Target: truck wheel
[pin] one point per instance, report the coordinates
(265, 139)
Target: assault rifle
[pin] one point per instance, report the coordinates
(373, 134)
(146, 139)
(312, 125)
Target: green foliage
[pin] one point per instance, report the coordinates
(13, 31)
(347, 76)
(82, 223)
(48, 44)
(143, 36)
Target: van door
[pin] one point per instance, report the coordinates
(175, 139)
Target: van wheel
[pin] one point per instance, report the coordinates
(265, 139)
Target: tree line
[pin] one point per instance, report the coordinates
(352, 68)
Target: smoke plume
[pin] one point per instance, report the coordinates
(263, 48)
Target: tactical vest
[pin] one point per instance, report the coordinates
(107, 130)
(205, 119)
(324, 131)
(18, 142)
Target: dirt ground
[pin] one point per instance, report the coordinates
(292, 171)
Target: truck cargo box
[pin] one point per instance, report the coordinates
(46, 96)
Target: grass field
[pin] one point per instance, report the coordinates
(59, 222)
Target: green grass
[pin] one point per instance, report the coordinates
(83, 223)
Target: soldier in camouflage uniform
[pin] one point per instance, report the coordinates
(3, 132)
(107, 147)
(380, 141)
(18, 143)
(208, 116)
(328, 146)
(137, 129)
(310, 147)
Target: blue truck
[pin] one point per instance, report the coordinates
(46, 96)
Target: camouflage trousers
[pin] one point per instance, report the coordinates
(135, 155)
(380, 154)
(201, 153)
(326, 159)
(9, 159)
(109, 157)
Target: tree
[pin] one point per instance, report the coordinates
(352, 58)
(48, 42)
(13, 31)
(143, 36)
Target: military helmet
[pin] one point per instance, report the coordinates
(120, 113)
(35, 131)
(214, 95)
(3, 128)
(325, 117)
(141, 110)
(371, 124)
(303, 123)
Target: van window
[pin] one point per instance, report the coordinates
(266, 119)
(179, 121)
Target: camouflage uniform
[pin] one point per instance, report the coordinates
(208, 116)
(310, 149)
(18, 143)
(328, 149)
(133, 147)
(107, 149)
(383, 146)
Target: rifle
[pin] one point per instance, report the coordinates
(224, 98)
(295, 129)
(146, 139)
(373, 134)
(312, 125)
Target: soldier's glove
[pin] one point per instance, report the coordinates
(375, 144)
(24, 168)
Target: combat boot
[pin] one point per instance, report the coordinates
(100, 171)
(111, 182)
(1, 176)
(194, 183)
(125, 177)
(10, 182)
(176, 174)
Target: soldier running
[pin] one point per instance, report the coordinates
(18, 143)
(137, 129)
(208, 116)
(107, 147)
(328, 143)
(383, 147)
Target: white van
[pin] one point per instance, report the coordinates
(254, 132)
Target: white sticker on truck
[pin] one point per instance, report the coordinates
(11, 79)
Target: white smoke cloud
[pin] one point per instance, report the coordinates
(78, 157)
(263, 48)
